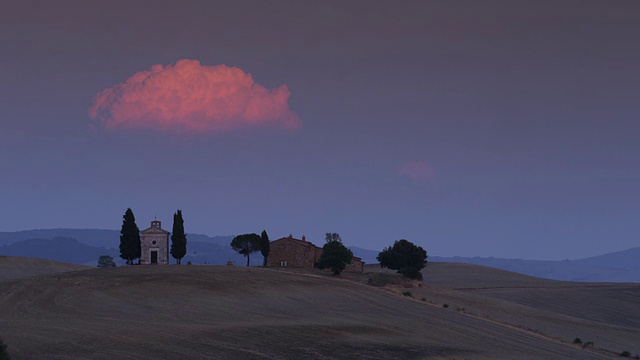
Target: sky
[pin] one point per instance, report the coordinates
(493, 128)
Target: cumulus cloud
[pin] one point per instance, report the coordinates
(418, 171)
(192, 97)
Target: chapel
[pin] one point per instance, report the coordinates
(154, 244)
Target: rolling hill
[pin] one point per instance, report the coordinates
(228, 312)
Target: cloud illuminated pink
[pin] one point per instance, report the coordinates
(418, 171)
(192, 97)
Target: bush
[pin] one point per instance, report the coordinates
(445, 305)
(423, 299)
(588, 344)
(4, 352)
(577, 341)
(625, 354)
(411, 273)
(106, 261)
(407, 293)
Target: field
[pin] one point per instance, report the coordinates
(228, 312)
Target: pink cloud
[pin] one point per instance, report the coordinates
(418, 171)
(192, 97)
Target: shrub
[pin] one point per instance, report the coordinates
(625, 354)
(423, 299)
(4, 352)
(106, 261)
(588, 344)
(577, 341)
(189, 262)
(445, 305)
(407, 293)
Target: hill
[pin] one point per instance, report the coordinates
(215, 312)
(566, 270)
(627, 259)
(84, 246)
(20, 267)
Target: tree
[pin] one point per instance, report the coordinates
(332, 237)
(265, 246)
(178, 238)
(129, 238)
(246, 244)
(106, 261)
(405, 257)
(4, 352)
(335, 255)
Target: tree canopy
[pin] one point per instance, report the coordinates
(129, 238)
(335, 255)
(246, 244)
(178, 238)
(405, 257)
(265, 246)
(332, 237)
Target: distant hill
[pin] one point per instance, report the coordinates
(627, 259)
(62, 249)
(566, 270)
(85, 246)
(622, 266)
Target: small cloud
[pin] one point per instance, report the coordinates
(418, 171)
(192, 97)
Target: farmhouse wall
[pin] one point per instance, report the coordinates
(292, 252)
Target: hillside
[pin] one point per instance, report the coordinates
(224, 312)
(20, 267)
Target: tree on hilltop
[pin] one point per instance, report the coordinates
(178, 238)
(335, 255)
(265, 246)
(129, 238)
(246, 244)
(405, 257)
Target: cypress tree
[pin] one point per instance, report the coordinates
(265, 246)
(178, 238)
(129, 238)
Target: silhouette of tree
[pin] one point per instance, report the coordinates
(265, 246)
(246, 244)
(405, 257)
(178, 238)
(335, 255)
(129, 238)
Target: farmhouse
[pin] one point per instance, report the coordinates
(154, 245)
(292, 252)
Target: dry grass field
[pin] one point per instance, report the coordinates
(220, 312)
(14, 267)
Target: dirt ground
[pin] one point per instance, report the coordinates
(228, 312)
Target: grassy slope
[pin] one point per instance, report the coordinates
(12, 267)
(198, 312)
(606, 313)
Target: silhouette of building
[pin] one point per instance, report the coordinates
(154, 244)
(292, 252)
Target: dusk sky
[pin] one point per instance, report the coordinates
(472, 128)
